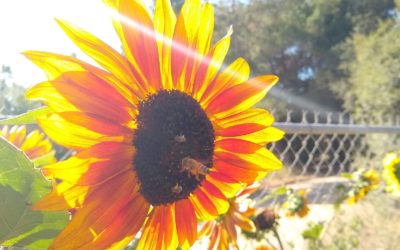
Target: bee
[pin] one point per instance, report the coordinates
(180, 138)
(177, 189)
(194, 168)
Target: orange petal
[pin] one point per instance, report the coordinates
(215, 238)
(160, 230)
(93, 95)
(238, 130)
(237, 146)
(96, 169)
(216, 196)
(210, 66)
(186, 223)
(55, 65)
(240, 97)
(17, 135)
(237, 72)
(227, 185)
(250, 116)
(103, 54)
(244, 123)
(140, 37)
(164, 24)
(71, 135)
(207, 228)
(47, 93)
(63, 196)
(199, 59)
(32, 141)
(96, 123)
(229, 226)
(203, 205)
(239, 174)
(263, 136)
(261, 160)
(180, 53)
(105, 150)
(243, 222)
(104, 220)
(249, 190)
(123, 228)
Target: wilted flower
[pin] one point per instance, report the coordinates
(266, 219)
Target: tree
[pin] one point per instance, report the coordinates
(372, 67)
(298, 39)
(12, 95)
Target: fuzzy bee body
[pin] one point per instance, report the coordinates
(194, 168)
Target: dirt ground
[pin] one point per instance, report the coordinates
(372, 224)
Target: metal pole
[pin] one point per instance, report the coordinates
(317, 128)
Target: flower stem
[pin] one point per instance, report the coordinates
(278, 238)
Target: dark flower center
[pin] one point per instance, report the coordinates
(174, 145)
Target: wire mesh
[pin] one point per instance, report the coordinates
(318, 147)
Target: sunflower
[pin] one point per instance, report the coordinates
(296, 204)
(391, 172)
(364, 181)
(34, 145)
(164, 134)
(223, 232)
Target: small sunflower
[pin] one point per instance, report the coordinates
(164, 133)
(34, 145)
(391, 172)
(223, 232)
(296, 203)
(364, 181)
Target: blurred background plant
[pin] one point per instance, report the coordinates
(12, 95)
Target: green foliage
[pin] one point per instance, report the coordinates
(313, 231)
(348, 238)
(20, 186)
(26, 118)
(298, 40)
(373, 66)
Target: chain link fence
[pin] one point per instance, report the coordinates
(319, 146)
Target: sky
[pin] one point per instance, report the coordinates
(30, 25)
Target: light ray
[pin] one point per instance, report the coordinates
(195, 55)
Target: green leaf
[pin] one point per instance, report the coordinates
(16, 171)
(346, 175)
(26, 118)
(313, 231)
(20, 186)
(281, 190)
